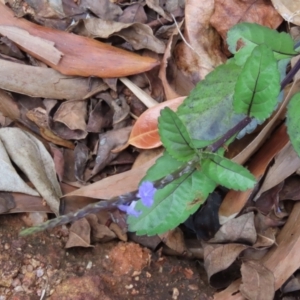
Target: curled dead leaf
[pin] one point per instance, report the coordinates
(144, 133)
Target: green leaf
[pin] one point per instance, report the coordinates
(172, 204)
(252, 35)
(293, 122)
(207, 112)
(164, 165)
(258, 85)
(227, 173)
(174, 136)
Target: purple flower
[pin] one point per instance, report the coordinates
(129, 209)
(146, 193)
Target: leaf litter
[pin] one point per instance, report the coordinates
(93, 121)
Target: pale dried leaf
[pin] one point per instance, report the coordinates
(140, 36)
(286, 163)
(218, 257)
(79, 234)
(45, 82)
(8, 106)
(174, 239)
(258, 281)
(200, 54)
(30, 155)
(72, 114)
(10, 180)
(289, 10)
(240, 229)
(154, 4)
(36, 45)
(116, 185)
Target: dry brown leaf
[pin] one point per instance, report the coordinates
(289, 10)
(170, 93)
(45, 82)
(8, 106)
(116, 185)
(174, 239)
(234, 201)
(203, 53)
(228, 13)
(37, 46)
(40, 118)
(291, 189)
(218, 257)
(30, 155)
(133, 13)
(239, 230)
(140, 36)
(292, 285)
(79, 235)
(144, 133)
(73, 115)
(286, 163)
(258, 281)
(108, 10)
(81, 154)
(99, 232)
(286, 252)
(108, 141)
(10, 180)
(100, 117)
(155, 5)
(81, 56)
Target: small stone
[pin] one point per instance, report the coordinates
(175, 294)
(6, 246)
(18, 289)
(16, 282)
(128, 287)
(29, 268)
(137, 278)
(148, 275)
(35, 263)
(193, 287)
(39, 272)
(89, 265)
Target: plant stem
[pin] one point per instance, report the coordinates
(230, 133)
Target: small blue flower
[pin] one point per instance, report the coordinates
(146, 193)
(129, 209)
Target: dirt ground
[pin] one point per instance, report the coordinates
(39, 267)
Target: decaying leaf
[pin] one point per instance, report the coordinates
(79, 235)
(229, 13)
(10, 180)
(30, 155)
(144, 133)
(23, 79)
(81, 56)
(73, 114)
(236, 200)
(36, 45)
(218, 257)
(240, 229)
(258, 281)
(116, 185)
(140, 36)
(202, 53)
(108, 141)
(286, 163)
(289, 10)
